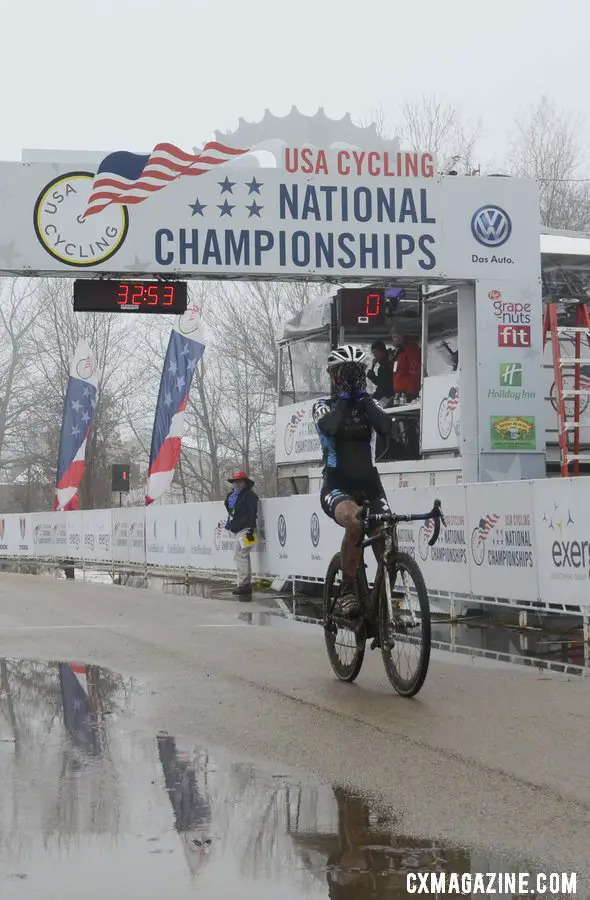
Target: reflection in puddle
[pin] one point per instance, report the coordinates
(91, 799)
(474, 642)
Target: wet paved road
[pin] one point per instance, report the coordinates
(487, 768)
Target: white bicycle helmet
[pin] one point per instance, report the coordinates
(346, 354)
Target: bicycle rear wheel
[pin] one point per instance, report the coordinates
(407, 637)
(345, 639)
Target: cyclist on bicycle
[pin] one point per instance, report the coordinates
(346, 425)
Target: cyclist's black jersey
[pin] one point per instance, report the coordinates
(346, 431)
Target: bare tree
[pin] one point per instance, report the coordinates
(19, 309)
(55, 335)
(546, 146)
(431, 126)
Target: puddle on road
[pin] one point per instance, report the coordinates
(476, 642)
(91, 806)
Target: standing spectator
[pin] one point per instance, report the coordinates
(407, 365)
(383, 379)
(242, 506)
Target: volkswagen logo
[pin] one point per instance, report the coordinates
(282, 530)
(491, 226)
(314, 529)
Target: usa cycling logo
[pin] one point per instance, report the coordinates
(282, 530)
(479, 536)
(314, 529)
(491, 226)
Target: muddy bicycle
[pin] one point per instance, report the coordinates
(395, 612)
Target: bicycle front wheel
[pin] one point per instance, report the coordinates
(404, 635)
(345, 639)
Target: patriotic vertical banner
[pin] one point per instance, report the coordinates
(79, 406)
(185, 349)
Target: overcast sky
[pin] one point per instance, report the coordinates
(125, 74)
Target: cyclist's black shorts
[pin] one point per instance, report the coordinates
(337, 488)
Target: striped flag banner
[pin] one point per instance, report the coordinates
(185, 349)
(129, 178)
(79, 407)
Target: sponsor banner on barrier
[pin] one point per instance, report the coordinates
(11, 537)
(166, 535)
(516, 540)
(200, 536)
(96, 541)
(128, 535)
(296, 435)
(49, 533)
(502, 551)
(563, 539)
(74, 535)
(445, 566)
(282, 523)
(224, 542)
(440, 412)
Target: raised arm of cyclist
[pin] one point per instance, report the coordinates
(346, 423)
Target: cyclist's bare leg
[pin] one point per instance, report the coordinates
(346, 514)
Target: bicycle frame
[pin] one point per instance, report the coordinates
(387, 534)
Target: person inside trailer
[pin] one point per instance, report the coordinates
(383, 377)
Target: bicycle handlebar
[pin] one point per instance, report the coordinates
(436, 514)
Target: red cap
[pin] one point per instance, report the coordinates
(239, 476)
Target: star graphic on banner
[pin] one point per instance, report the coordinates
(75, 431)
(185, 350)
(85, 418)
(180, 382)
(86, 392)
(254, 186)
(76, 405)
(254, 209)
(197, 207)
(227, 186)
(173, 368)
(191, 365)
(225, 208)
(93, 402)
(167, 399)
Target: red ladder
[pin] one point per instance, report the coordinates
(554, 331)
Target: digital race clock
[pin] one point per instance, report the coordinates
(109, 295)
(362, 308)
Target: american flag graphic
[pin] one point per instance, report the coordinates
(79, 406)
(486, 525)
(128, 178)
(295, 420)
(185, 349)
